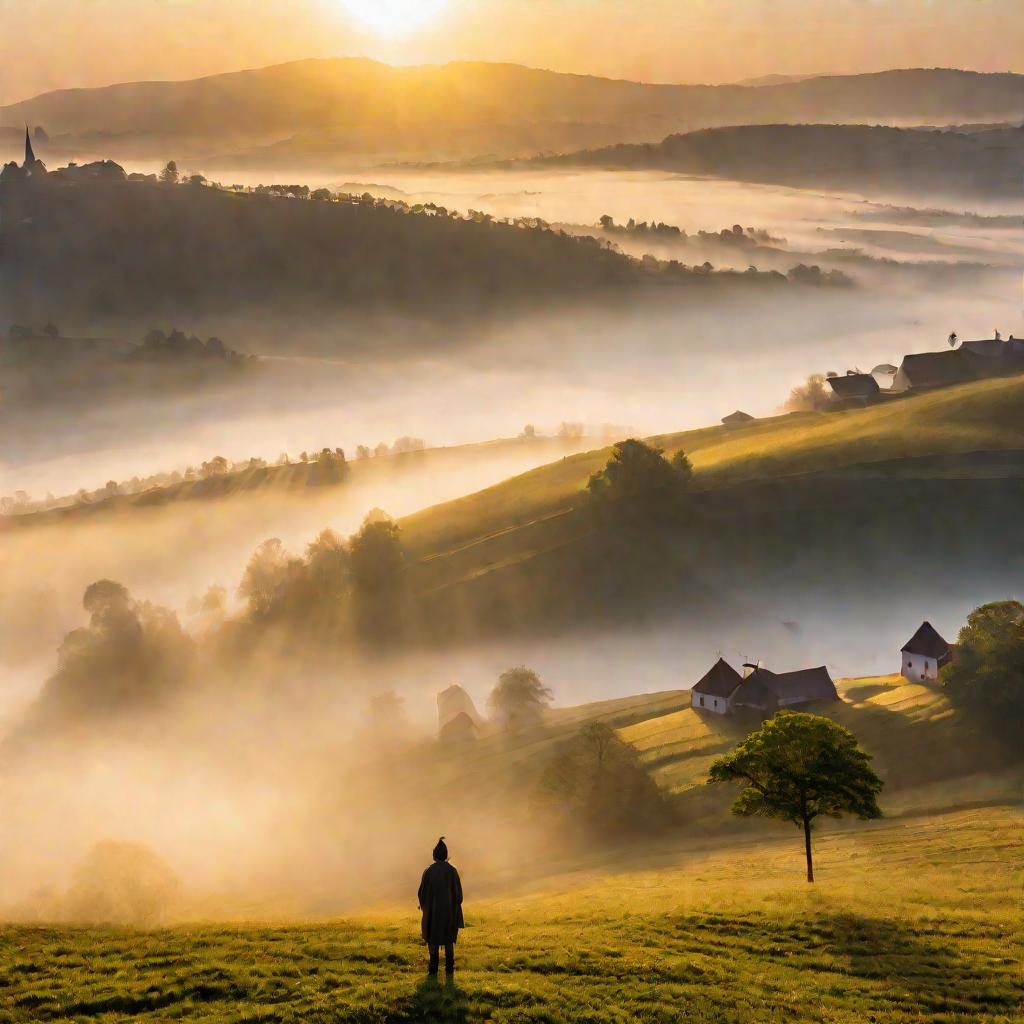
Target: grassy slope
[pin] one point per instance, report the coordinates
(910, 922)
(297, 479)
(988, 415)
(929, 755)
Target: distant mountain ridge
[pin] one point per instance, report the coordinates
(868, 160)
(480, 108)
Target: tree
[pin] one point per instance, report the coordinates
(798, 767)
(639, 482)
(599, 782)
(986, 678)
(520, 698)
(169, 175)
(264, 577)
(378, 580)
(811, 396)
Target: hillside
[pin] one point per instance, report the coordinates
(87, 250)
(851, 158)
(331, 110)
(805, 505)
(931, 757)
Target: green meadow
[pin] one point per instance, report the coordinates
(913, 920)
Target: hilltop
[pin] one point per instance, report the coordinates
(848, 157)
(331, 111)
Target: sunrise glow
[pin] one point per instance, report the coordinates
(393, 17)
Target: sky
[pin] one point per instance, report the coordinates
(47, 44)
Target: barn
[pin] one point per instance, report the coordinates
(766, 691)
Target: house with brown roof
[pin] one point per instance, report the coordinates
(924, 654)
(723, 690)
(855, 388)
(766, 691)
(935, 370)
(739, 418)
(713, 691)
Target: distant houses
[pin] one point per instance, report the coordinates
(924, 654)
(854, 386)
(457, 717)
(737, 419)
(722, 690)
(919, 371)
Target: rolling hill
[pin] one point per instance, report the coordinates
(329, 111)
(811, 506)
(868, 160)
(125, 253)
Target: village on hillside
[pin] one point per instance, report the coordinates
(722, 690)
(962, 362)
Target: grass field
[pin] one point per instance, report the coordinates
(917, 920)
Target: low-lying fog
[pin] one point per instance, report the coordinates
(236, 799)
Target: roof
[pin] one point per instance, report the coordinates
(988, 347)
(461, 724)
(933, 369)
(721, 680)
(927, 643)
(753, 693)
(766, 689)
(854, 385)
(739, 416)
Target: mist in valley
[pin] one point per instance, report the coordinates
(261, 780)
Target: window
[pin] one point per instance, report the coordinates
(702, 702)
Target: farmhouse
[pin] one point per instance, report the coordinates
(713, 691)
(934, 370)
(924, 654)
(723, 690)
(766, 691)
(855, 388)
(738, 418)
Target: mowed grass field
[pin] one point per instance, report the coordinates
(915, 920)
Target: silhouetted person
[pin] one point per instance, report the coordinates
(952, 340)
(440, 898)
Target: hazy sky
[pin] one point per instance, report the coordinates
(47, 44)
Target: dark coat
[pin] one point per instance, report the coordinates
(441, 902)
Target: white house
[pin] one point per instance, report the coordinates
(713, 691)
(924, 654)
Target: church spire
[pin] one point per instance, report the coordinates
(30, 157)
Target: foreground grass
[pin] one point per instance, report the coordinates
(913, 921)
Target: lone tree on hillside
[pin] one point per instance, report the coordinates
(797, 767)
(520, 698)
(986, 677)
(639, 482)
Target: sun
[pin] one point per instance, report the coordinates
(393, 17)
